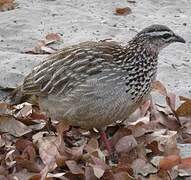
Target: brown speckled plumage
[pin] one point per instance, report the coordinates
(94, 84)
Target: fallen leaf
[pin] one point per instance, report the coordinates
(31, 166)
(23, 174)
(92, 145)
(48, 149)
(98, 171)
(99, 162)
(56, 175)
(156, 160)
(123, 11)
(11, 125)
(141, 127)
(47, 50)
(159, 87)
(74, 153)
(25, 110)
(122, 176)
(126, 144)
(40, 48)
(89, 173)
(6, 5)
(2, 141)
(9, 158)
(42, 45)
(119, 134)
(142, 167)
(121, 170)
(169, 122)
(5, 109)
(145, 107)
(185, 163)
(154, 147)
(74, 167)
(185, 109)
(166, 140)
(161, 175)
(169, 161)
(52, 37)
(171, 101)
(182, 98)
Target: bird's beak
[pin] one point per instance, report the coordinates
(179, 39)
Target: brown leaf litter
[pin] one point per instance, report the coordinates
(6, 5)
(147, 148)
(42, 46)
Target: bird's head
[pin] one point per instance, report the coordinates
(158, 37)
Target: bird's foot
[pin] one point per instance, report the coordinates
(112, 158)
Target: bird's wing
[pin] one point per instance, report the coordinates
(69, 67)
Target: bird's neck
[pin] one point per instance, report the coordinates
(140, 54)
(140, 63)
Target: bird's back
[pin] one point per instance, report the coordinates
(66, 69)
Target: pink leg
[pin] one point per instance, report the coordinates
(106, 142)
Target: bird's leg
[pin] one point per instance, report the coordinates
(48, 125)
(152, 109)
(106, 142)
(113, 157)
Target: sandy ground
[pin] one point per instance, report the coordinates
(81, 20)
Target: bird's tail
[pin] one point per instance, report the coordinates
(17, 97)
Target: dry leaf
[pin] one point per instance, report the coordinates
(74, 152)
(48, 151)
(171, 101)
(145, 107)
(142, 167)
(6, 5)
(99, 162)
(57, 175)
(52, 37)
(74, 167)
(141, 126)
(166, 140)
(182, 98)
(5, 109)
(122, 176)
(12, 126)
(169, 122)
(159, 87)
(126, 144)
(42, 45)
(9, 158)
(123, 11)
(185, 109)
(25, 110)
(89, 173)
(40, 48)
(92, 146)
(98, 171)
(48, 148)
(185, 163)
(78, 155)
(31, 166)
(170, 161)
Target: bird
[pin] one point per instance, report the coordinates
(94, 84)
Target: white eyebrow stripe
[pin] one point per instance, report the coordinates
(159, 33)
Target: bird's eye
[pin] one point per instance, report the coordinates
(166, 36)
